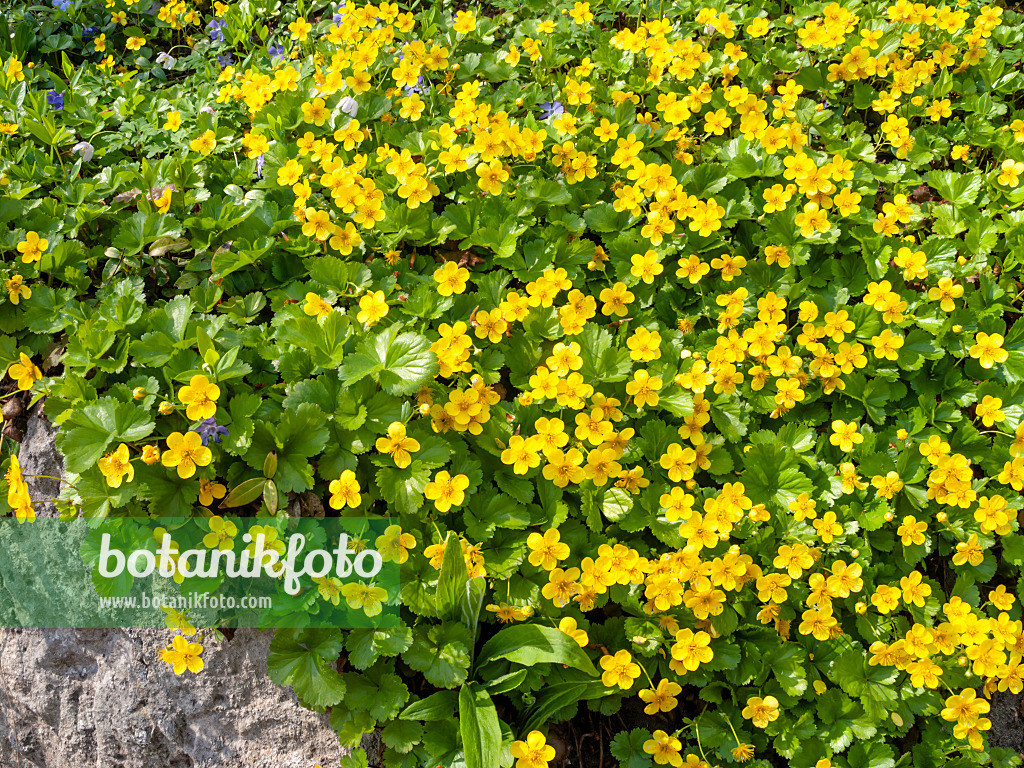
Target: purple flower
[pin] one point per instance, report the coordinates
(55, 100)
(414, 88)
(551, 109)
(64, 5)
(216, 29)
(89, 31)
(225, 60)
(260, 162)
(208, 430)
(276, 52)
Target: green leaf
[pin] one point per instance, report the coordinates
(616, 503)
(1013, 548)
(562, 690)
(303, 660)
(364, 646)
(451, 583)
(401, 364)
(628, 748)
(402, 735)
(436, 706)
(403, 487)
(602, 360)
(677, 401)
(728, 417)
(531, 644)
(377, 691)
(961, 189)
(86, 435)
(871, 754)
(245, 492)
(441, 654)
(300, 434)
(478, 723)
(772, 475)
(141, 229)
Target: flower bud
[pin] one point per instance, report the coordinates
(942, 517)
(139, 392)
(166, 408)
(861, 608)
(888, 517)
(150, 454)
(902, 434)
(854, 553)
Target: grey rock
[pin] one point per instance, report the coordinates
(103, 698)
(38, 455)
(73, 698)
(1007, 722)
(373, 744)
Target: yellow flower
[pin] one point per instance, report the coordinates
(394, 545)
(644, 389)
(451, 278)
(887, 345)
(316, 306)
(662, 698)
(16, 289)
(186, 452)
(989, 410)
(24, 372)
(619, 670)
(135, 43)
(845, 435)
(546, 549)
(911, 531)
(646, 266)
(373, 307)
(173, 121)
(221, 535)
(535, 752)
(200, 398)
(315, 112)
(988, 349)
(664, 749)
(210, 490)
(366, 597)
(299, 29)
(760, 711)
(115, 466)
(492, 176)
(569, 627)
(398, 445)
(345, 491)
(465, 22)
(15, 70)
(205, 143)
(182, 655)
(446, 491)
(32, 247)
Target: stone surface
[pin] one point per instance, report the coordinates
(38, 455)
(104, 699)
(1007, 721)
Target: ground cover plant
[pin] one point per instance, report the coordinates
(683, 340)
